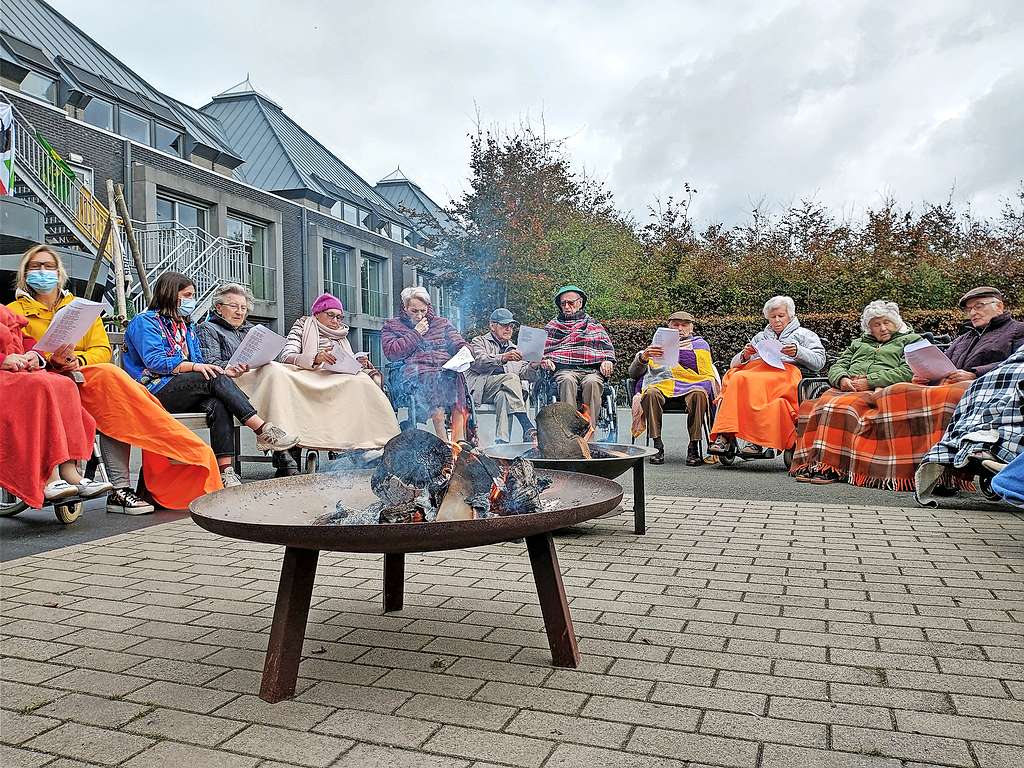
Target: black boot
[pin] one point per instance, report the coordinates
(286, 462)
(659, 457)
(693, 457)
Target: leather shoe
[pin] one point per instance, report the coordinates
(658, 458)
(693, 457)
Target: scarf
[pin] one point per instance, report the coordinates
(317, 336)
(578, 341)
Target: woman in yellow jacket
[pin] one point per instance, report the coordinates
(177, 465)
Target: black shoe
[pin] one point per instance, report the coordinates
(658, 458)
(751, 451)
(693, 457)
(824, 477)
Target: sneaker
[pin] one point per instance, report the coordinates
(229, 478)
(89, 488)
(59, 489)
(273, 438)
(751, 451)
(125, 501)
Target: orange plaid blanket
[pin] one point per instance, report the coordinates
(877, 439)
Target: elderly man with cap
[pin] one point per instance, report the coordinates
(988, 337)
(691, 381)
(579, 351)
(496, 376)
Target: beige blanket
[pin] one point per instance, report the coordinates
(336, 411)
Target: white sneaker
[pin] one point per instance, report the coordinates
(125, 501)
(229, 478)
(59, 489)
(89, 489)
(273, 438)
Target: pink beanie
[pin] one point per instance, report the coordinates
(326, 301)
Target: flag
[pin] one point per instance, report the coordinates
(6, 150)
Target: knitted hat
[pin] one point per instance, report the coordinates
(326, 301)
(890, 310)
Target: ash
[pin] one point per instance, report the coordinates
(421, 478)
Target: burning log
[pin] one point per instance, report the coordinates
(421, 478)
(563, 432)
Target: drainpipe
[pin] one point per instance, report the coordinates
(305, 266)
(128, 176)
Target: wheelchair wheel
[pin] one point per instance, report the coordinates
(68, 513)
(311, 463)
(10, 505)
(985, 486)
(787, 457)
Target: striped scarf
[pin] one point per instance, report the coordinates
(578, 341)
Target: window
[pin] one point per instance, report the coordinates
(168, 139)
(99, 113)
(84, 175)
(336, 210)
(254, 237)
(351, 214)
(336, 274)
(40, 86)
(133, 126)
(371, 275)
(186, 214)
(371, 346)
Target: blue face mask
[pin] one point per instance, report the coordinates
(186, 307)
(41, 280)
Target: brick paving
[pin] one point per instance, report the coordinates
(735, 633)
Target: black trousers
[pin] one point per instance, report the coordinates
(220, 398)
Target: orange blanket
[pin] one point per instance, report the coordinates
(759, 404)
(177, 465)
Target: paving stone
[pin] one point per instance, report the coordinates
(173, 725)
(907, 746)
(970, 728)
(92, 710)
(378, 728)
(430, 682)
(97, 682)
(579, 730)
(786, 756)
(344, 696)
(766, 729)
(177, 696)
(169, 753)
(16, 728)
(578, 756)
(93, 745)
(12, 757)
(642, 713)
(288, 746)
(829, 712)
(287, 714)
(694, 746)
(373, 756)
(101, 659)
(457, 711)
(999, 755)
(523, 696)
(485, 745)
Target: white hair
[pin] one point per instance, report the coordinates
(415, 292)
(227, 289)
(779, 301)
(890, 310)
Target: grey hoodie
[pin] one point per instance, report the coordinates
(810, 352)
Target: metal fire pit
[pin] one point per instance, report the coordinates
(632, 458)
(281, 511)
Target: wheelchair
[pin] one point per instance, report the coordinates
(545, 392)
(396, 388)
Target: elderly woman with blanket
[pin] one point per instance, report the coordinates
(758, 402)
(874, 427)
(423, 342)
(579, 351)
(987, 425)
(336, 411)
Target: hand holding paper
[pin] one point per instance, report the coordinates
(344, 362)
(460, 361)
(69, 325)
(531, 343)
(666, 339)
(770, 351)
(927, 361)
(260, 346)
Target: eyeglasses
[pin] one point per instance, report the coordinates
(569, 302)
(335, 315)
(979, 305)
(236, 307)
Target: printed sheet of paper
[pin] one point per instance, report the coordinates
(344, 362)
(70, 324)
(531, 343)
(770, 351)
(259, 347)
(668, 340)
(460, 361)
(927, 361)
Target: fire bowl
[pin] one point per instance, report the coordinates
(281, 511)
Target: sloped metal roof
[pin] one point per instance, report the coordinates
(280, 155)
(87, 62)
(406, 195)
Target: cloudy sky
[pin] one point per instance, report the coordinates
(759, 101)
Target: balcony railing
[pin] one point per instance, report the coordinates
(344, 291)
(374, 303)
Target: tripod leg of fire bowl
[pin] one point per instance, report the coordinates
(639, 500)
(553, 604)
(394, 581)
(287, 633)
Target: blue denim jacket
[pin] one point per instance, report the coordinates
(149, 357)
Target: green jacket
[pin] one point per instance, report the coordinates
(883, 364)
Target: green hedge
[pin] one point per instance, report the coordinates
(728, 334)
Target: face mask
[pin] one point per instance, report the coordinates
(41, 280)
(186, 307)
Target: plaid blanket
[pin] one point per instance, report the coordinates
(988, 418)
(578, 342)
(877, 439)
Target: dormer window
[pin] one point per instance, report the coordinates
(133, 126)
(99, 113)
(40, 86)
(167, 139)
